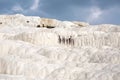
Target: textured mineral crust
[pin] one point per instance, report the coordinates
(34, 48)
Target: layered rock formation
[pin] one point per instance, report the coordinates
(34, 48)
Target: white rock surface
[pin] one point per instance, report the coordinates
(65, 52)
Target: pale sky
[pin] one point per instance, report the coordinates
(92, 11)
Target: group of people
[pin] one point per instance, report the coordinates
(68, 41)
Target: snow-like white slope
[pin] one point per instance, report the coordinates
(64, 52)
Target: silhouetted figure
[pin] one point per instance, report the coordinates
(70, 40)
(67, 41)
(59, 39)
(63, 40)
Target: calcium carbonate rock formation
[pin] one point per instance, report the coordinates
(34, 48)
(14, 21)
(49, 23)
(82, 24)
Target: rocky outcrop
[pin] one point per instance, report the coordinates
(52, 23)
(81, 24)
(21, 20)
(49, 23)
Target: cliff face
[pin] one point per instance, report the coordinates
(34, 48)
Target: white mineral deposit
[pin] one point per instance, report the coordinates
(34, 48)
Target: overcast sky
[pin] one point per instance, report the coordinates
(92, 11)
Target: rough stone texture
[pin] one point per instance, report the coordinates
(50, 23)
(82, 24)
(65, 52)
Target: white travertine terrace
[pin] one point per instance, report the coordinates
(34, 48)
